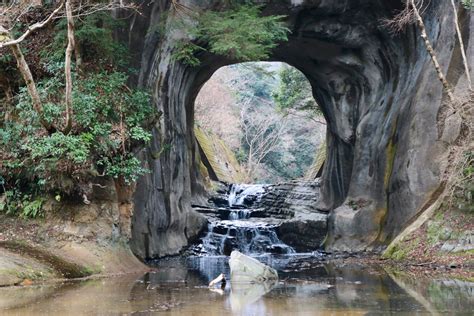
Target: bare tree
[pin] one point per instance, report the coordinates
(261, 135)
(308, 115)
(67, 65)
(412, 14)
(461, 44)
(218, 99)
(10, 15)
(430, 50)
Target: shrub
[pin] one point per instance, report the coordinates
(94, 36)
(109, 121)
(239, 33)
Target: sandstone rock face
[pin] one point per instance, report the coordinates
(288, 198)
(244, 269)
(305, 232)
(303, 226)
(387, 140)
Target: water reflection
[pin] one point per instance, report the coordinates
(243, 297)
(306, 287)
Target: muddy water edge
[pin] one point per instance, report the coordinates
(308, 285)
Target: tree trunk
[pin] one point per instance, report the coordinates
(78, 58)
(431, 51)
(125, 205)
(6, 107)
(31, 86)
(67, 66)
(461, 45)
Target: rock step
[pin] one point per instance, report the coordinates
(285, 213)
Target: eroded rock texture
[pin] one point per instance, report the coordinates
(302, 226)
(379, 93)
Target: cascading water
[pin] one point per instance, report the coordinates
(240, 192)
(240, 231)
(239, 214)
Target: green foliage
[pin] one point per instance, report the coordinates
(239, 33)
(241, 156)
(6, 59)
(252, 85)
(33, 209)
(109, 121)
(24, 205)
(94, 37)
(7, 70)
(128, 167)
(58, 146)
(468, 4)
(468, 168)
(295, 93)
(293, 162)
(259, 80)
(462, 194)
(185, 52)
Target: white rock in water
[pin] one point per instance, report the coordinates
(244, 269)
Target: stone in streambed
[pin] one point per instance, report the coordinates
(244, 269)
(305, 232)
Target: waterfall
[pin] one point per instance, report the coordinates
(240, 231)
(239, 214)
(248, 237)
(240, 192)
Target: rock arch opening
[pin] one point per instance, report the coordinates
(377, 92)
(258, 122)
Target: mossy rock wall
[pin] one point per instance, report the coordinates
(220, 161)
(316, 168)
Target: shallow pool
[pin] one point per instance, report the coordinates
(307, 286)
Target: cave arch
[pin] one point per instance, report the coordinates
(373, 88)
(242, 98)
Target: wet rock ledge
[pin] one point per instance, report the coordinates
(291, 206)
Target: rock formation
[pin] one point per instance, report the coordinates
(244, 269)
(302, 227)
(387, 137)
(280, 218)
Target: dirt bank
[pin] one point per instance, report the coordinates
(33, 251)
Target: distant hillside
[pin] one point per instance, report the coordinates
(240, 95)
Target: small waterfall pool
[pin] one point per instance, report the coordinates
(309, 283)
(307, 286)
(240, 230)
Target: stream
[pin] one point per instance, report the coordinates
(310, 283)
(307, 286)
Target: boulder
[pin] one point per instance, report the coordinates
(305, 232)
(244, 269)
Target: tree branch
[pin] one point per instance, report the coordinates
(30, 29)
(67, 66)
(461, 44)
(31, 86)
(431, 52)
